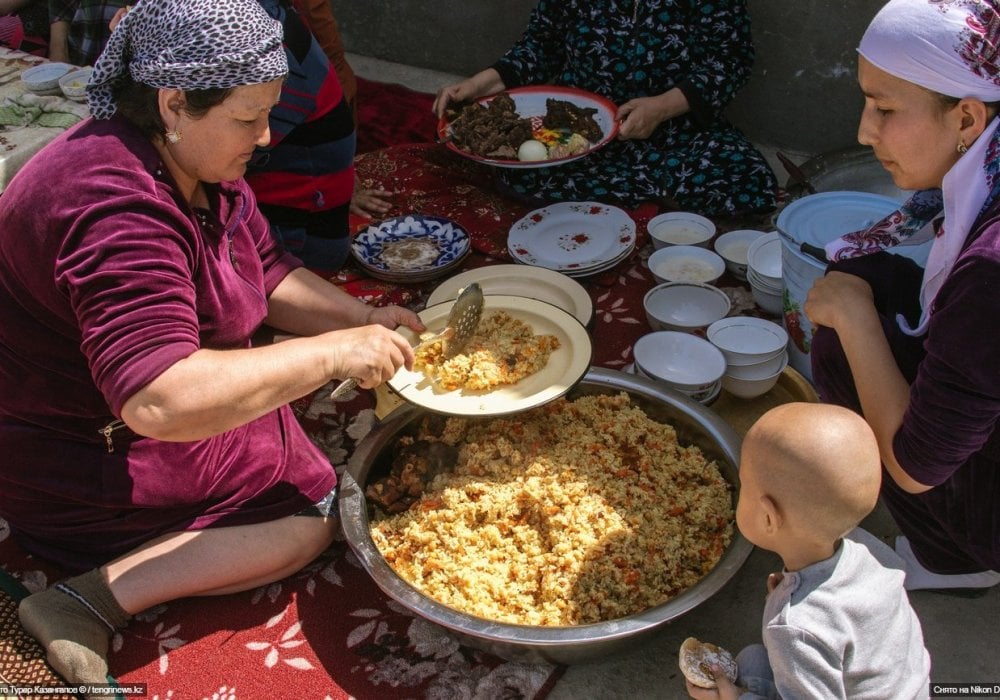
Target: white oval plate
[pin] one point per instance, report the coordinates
(566, 365)
(521, 281)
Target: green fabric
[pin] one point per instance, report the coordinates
(62, 120)
(37, 110)
(13, 114)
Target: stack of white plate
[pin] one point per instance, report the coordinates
(577, 239)
(764, 272)
(756, 352)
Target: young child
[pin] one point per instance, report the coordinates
(837, 621)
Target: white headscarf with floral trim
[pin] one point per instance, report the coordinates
(951, 47)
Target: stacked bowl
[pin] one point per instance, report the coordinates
(733, 248)
(44, 79)
(755, 351)
(764, 272)
(682, 361)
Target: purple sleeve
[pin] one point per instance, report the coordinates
(277, 262)
(955, 399)
(127, 270)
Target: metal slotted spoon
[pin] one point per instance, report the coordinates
(463, 319)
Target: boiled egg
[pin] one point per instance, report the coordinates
(532, 150)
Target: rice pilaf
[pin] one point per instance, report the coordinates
(571, 513)
(503, 350)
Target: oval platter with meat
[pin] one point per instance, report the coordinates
(545, 124)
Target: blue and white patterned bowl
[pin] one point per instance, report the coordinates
(451, 241)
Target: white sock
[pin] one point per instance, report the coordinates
(919, 578)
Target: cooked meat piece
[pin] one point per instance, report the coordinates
(503, 104)
(493, 131)
(413, 467)
(560, 114)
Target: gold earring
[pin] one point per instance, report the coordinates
(962, 148)
(173, 136)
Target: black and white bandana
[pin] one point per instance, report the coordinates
(188, 45)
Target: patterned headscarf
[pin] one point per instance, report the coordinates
(950, 47)
(188, 45)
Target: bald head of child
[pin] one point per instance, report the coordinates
(809, 473)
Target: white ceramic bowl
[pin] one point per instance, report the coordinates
(767, 300)
(684, 306)
(733, 247)
(704, 395)
(764, 258)
(765, 283)
(759, 370)
(750, 388)
(685, 263)
(680, 228)
(45, 77)
(681, 360)
(747, 340)
(74, 84)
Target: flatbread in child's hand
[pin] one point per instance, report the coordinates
(696, 660)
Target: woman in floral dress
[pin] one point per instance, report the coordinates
(671, 66)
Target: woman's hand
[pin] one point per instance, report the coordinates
(371, 354)
(640, 116)
(394, 316)
(482, 83)
(773, 580)
(838, 299)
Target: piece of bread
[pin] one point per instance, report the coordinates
(696, 658)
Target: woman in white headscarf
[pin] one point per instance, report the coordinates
(150, 444)
(916, 350)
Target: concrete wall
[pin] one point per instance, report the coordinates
(803, 98)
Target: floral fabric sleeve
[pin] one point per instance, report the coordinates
(538, 55)
(722, 53)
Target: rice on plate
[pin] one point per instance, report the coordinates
(503, 350)
(572, 513)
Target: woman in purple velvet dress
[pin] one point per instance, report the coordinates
(148, 442)
(916, 350)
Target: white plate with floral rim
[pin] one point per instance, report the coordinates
(572, 237)
(566, 366)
